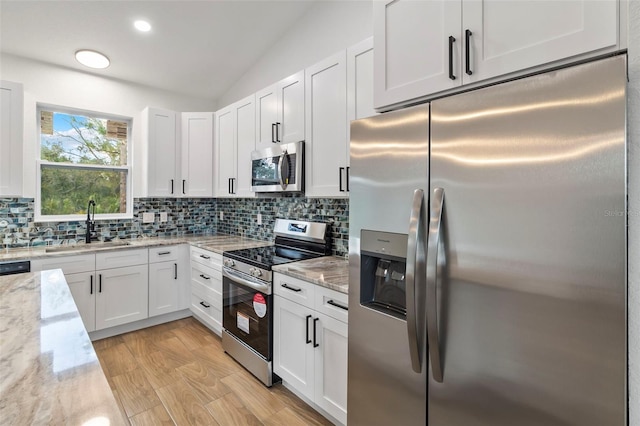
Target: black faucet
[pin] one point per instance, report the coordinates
(91, 223)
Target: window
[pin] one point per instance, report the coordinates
(83, 156)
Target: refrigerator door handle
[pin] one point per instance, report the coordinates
(435, 226)
(415, 258)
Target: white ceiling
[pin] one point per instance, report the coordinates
(197, 48)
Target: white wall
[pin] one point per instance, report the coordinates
(329, 26)
(49, 84)
(633, 118)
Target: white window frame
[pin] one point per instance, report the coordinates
(38, 216)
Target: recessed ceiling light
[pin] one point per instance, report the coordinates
(92, 59)
(143, 26)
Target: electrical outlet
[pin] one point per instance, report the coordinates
(163, 217)
(221, 215)
(259, 219)
(148, 217)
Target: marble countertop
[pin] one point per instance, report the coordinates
(50, 372)
(215, 243)
(329, 271)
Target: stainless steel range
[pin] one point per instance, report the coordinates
(247, 316)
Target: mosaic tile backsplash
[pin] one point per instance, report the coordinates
(186, 216)
(240, 216)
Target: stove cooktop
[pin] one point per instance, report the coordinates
(266, 257)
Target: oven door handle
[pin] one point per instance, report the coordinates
(237, 279)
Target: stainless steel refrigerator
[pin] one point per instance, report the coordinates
(487, 256)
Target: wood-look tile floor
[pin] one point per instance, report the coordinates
(177, 373)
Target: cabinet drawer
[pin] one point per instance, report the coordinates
(332, 303)
(207, 278)
(68, 264)
(294, 289)
(163, 254)
(207, 292)
(206, 258)
(206, 309)
(121, 258)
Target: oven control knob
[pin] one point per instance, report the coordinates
(229, 263)
(255, 272)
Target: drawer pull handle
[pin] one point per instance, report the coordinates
(337, 305)
(206, 305)
(205, 277)
(291, 288)
(205, 257)
(162, 253)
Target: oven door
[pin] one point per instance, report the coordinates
(247, 311)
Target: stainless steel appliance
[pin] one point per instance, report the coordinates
(487, 256)
(279, 168)
(15, 267)
(247, 316)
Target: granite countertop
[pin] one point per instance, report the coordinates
(50, 372)
(215, 243)
(329, 271)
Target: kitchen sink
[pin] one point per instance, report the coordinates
(92, 246)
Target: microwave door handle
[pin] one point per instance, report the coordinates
(284, 181)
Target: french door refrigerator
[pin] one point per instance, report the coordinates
(487, 254)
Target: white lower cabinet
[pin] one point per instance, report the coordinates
(109, 288)
(310, 342)
(83, 290)
(169, 286)
(206, 287)
(123, 295)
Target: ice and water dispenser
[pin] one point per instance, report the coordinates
(383, 257)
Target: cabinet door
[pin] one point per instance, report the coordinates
(245, 111)
(360, 80)
(508, 36)
(411, 39)
(123, 296)
(331, 366)
(359, 84)
(11, 113)
(226, 150)
(197, 154)
(290, 124)
(326, 141)
(162, 149)
(266, 116)
(293, 345)
(83, 288)
(165, 289)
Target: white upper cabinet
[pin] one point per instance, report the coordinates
(235, 140)
(162, 152)
(424, 47)
(415, 41)
(197, 154)
(179, 153)
(11, 119)
(280, 112)
(544, 31)
(326, 147)
(245, 111)
(225, 150)
(359, 82)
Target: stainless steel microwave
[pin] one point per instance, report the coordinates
(279, 168)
